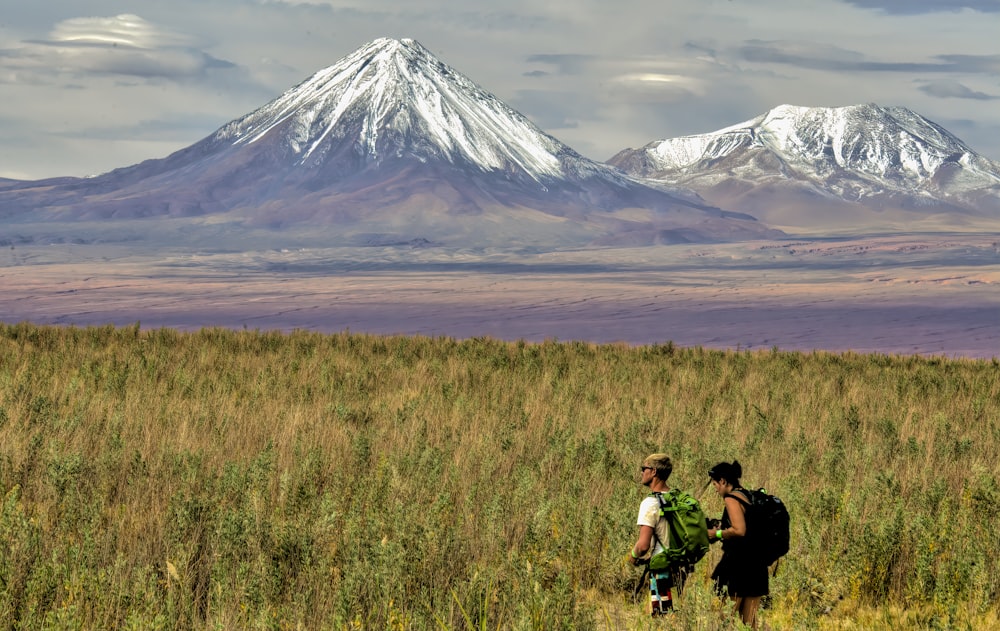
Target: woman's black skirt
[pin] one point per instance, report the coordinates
(740, 577)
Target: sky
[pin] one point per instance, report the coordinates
(87, 86)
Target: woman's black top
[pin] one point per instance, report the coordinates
(739, 572)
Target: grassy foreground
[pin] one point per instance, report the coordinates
(248, 480)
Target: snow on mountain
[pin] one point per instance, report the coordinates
(393, 100)
(392, 90)
(392, 142)
(868, 154)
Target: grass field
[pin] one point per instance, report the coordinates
(222, 479)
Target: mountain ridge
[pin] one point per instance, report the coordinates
(862, 155)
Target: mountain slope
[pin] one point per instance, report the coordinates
(390, 145)
(806, 166)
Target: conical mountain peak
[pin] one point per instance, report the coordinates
(393, 99)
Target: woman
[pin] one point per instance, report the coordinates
(739, 574)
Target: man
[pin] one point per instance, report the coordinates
(653, 531)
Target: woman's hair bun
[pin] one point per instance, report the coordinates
(730, 471)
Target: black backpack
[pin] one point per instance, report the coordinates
(767, 524)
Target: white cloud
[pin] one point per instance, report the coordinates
(124, 45)
(666, 87)
(126, 30)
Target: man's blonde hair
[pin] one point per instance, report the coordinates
(661, 463)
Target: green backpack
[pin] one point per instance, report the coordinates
(688, 541)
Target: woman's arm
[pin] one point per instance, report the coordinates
(737, 519)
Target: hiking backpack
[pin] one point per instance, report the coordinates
(688, 541)
(767, 524)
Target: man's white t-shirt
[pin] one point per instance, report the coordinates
(649, 515)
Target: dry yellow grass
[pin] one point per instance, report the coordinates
(240, 479)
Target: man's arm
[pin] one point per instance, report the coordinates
(641, 546)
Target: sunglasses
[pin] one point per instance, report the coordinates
(641, 469)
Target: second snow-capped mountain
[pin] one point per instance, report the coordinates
(801, 166)
(390, 145)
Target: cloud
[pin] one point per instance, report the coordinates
(835, 59)
(568, 64)
(126, 30)
(178, 127)
(985, 64)
(915, 7)
(462, 14)
(550, 109)
(947, 89)
(124, 45)
(660, 87)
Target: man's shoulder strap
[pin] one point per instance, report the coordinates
(659, 498)
(659, 495)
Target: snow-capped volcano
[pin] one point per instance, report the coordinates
(390, 144)
(880, 157)
(392, 98)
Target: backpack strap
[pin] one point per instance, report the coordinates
(742, 496)
(659, 498)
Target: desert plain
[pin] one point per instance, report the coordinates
(923, 294)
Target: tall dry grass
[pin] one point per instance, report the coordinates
(235, 479)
